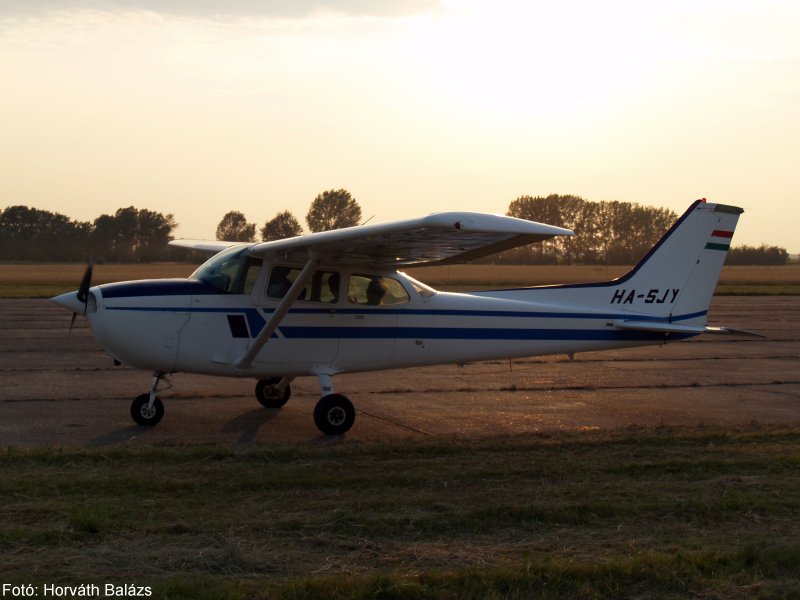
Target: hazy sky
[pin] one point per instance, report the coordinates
(198, 107)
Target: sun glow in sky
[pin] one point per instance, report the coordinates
(198, 108)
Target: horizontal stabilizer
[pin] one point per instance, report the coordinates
(678, 328)
(211, 247)
(733, 331)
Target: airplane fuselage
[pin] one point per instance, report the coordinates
(188, 325)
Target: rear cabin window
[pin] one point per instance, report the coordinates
(376, 290)
(324, 285)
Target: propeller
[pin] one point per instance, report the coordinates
(83, 292)
(86, 283)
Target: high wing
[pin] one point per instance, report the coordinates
(440, 238)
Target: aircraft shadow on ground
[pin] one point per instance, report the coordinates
(249, 424)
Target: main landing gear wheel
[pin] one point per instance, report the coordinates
(268, 394)
(334, 414)
(144, 415)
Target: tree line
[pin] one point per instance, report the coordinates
(609, 232)
(761, 255)
(129, 235)
(141, 235)
(614, 233)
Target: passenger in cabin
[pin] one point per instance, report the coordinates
(333, 285)
(279, 282)
(376, 290)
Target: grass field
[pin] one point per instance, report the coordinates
(34, 280)
(626, 514)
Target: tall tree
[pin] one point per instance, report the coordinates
(154, 231)
(234, 228)
(281, 226)
(333, 209)
(132, 234)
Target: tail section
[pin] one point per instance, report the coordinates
(676, 279)
(669, 291)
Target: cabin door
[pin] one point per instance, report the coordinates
(309, 332)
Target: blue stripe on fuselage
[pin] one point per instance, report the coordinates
(256, 323)
(472, 333)
(488, 313)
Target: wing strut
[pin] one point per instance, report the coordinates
(280, 311)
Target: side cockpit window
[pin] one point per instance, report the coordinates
(324, 285)
(280, 280)
(248, 275)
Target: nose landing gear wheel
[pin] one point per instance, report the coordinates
(334, 414)
(144, 415)
(268, 394)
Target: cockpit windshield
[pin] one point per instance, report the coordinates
(232, 271)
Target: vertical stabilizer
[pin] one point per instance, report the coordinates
(678, 276)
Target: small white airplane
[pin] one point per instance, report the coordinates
(335, 302)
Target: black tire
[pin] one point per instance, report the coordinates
(142, 416)
(334, 414)
(268, 396)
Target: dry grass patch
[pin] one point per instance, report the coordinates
(44, 280)
(71, 273)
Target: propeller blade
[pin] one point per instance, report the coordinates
(86, 283)
(72, 322)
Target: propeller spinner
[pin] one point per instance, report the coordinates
(78, 301)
